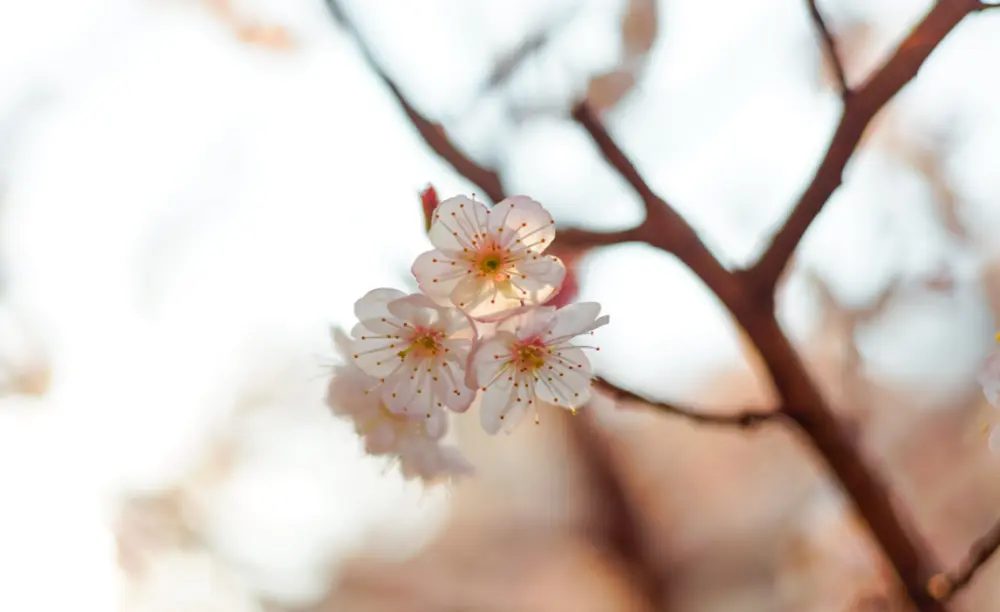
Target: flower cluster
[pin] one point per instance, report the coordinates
(478, 332)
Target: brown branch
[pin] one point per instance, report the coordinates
(663, 227)
(801, 400)
(620, 518)
(831, 49)
(944, 586)
(585, 116)
(432, 133)
(749, 294)
(859, 109)
(744, 419)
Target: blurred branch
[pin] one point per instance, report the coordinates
(621, 521)
(944, 586)
(830, 47)
(859, 109)
(743, 419)
(432, 133)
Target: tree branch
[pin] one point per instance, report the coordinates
(585, 116)
(801, 400)
(944, 586)
(744, 419)
(432, 133)
(620, 519)
(830, 47)
(859, 109)
(749, 294)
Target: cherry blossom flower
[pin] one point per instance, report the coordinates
(531, 359)
(488, 261)
(416, 349)
(413, 439)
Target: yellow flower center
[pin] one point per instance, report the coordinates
(531, 356)
(490, 264)
(426, 344)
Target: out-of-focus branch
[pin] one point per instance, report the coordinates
(432, 133)
(619, 517)
(944, 586)
(859, 109)
(801, 400)
(743, 419)
(830, 47)
(749, 296)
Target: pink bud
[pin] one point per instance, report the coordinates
(429, 202)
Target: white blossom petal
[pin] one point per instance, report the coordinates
(496, 402)
(489, 358)
(537, 280)
(529, 321)
(566, 380)
(578, 318)
(416, 310)
(373, 305)
(377, 355)
(525, 222)
(436, 425)
(449, 387)
(437, 273)
(400, 389)
(457, 223)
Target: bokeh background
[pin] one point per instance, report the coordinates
(193, 191)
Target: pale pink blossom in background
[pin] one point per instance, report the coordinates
(414, 439)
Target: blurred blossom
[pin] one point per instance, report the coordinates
(412, 438)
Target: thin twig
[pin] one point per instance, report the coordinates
(860, 109)
(830, 47)
(743, 419)
(585, 116)
(944, 586)
(432, 133)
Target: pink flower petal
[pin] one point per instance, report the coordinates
(457, 223)
(525, 220)
(438, 274)
(373, 305)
